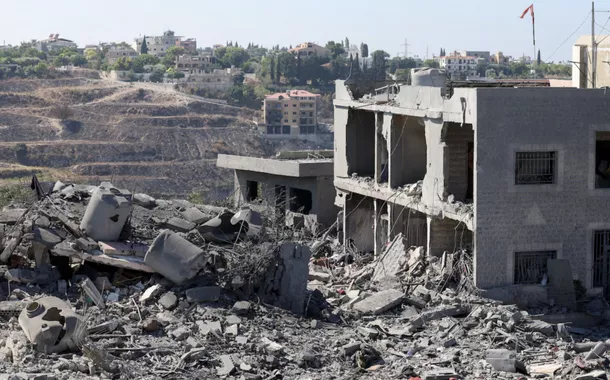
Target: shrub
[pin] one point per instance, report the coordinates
(61, 112)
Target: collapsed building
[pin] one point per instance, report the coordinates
(519, 175)
(296, 184)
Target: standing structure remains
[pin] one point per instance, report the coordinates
(519, 175)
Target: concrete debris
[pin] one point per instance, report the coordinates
(175, 257)
(144, 200)
(179, 225)
(380, 302)
(106, 213)
(11, 216)
(203, 294)
(52, 326)
(228, 300)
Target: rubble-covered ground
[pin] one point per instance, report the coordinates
(401, 315)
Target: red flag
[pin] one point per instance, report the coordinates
(528, 9)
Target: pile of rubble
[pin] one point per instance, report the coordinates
(106, 284)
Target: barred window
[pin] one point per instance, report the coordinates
(530, 267)
(535, 168)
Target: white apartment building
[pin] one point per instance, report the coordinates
(459, 66)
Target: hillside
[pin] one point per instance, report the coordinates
(143, 138)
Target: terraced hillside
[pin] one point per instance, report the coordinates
(155, 141)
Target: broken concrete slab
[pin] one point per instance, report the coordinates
(541, 327)
(179, 225)
(11, 216)
(168, 301)
(392, 260)
(380, 302)
(120, 248)
(241, 307)
(207, 327)
(502, 360)
(227, 367)
(286, 280)
(151, 293)
(87, 244)
(144, 200)
(46, 236)
(319, 276)
(175, 257)
(127, 262)
(203, 294)
(194, 215)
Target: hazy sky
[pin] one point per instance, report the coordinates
(453, 24)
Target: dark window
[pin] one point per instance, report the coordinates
(300, 201)
(311, 129)
(303, 130)
(252, 192)
(602, 160)
(269, 130)
(535, 168)
(277, 130)
(530, 267)
(601, 258)
(286, 129)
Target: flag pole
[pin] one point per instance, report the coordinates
(534, 57)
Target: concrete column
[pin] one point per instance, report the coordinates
(241, 189)
(381, 145)
(434, 189)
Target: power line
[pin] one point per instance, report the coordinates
(570, 36)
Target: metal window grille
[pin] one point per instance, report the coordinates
(601, 260)
(535, 168)
(530, 267)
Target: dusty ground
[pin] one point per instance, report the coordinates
(144, 138)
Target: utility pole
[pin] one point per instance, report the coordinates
(593, 46)
(406, 45)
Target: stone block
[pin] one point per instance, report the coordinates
(380, 302)
(203, 294)
(11, 216)
(168, 301)
(179, 225)
(144, 200)
(392, 260)
(194, 215)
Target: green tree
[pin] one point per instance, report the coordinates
(402, 74)
(401, 63)
(78, 60)
(431, 63)
(538, 60)
(378, 68)
(171, 54)
(41, 70)
(157, 76)
(92, 55)
(142, 60)
(234, 56)
(174, 74)
(144, 46)
(121, 64)
(336, 49)
(272, 69)
(346, 43)
(491, 73)
(365, 50)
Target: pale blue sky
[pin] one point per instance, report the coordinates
(453, 24)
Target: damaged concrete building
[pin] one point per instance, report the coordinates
(293, 182)
(518, 174)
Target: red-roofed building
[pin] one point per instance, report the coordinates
(291, 113)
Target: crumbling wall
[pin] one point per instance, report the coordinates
(433, 191)
(359, 221)
(447, 235)
(407, 151)
(410, 223)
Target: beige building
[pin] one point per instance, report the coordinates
(457, 65)
(158, 45)
(195, 63)
(581, 62)
(54, 44)
(290, 114)
(310, 49)
(116, 52)
(217, 79)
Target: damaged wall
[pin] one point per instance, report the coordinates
(359, 221)
(321, 188)
(457, 138)
(447, 235)
(563, 214)
(407, 151)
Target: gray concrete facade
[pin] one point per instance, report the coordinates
(297, 185)
(453, 161)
